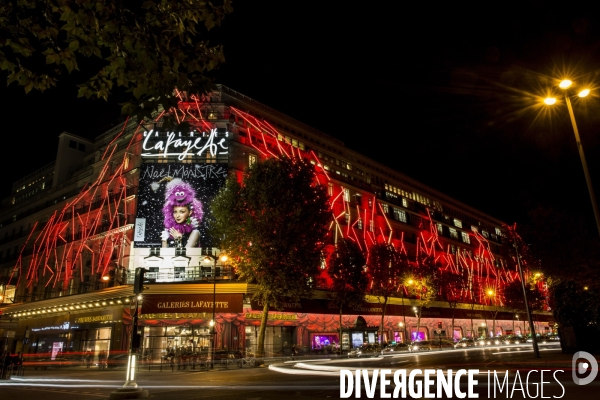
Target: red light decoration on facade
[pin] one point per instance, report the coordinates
(92, 227)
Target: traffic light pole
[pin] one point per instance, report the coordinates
(130, 389)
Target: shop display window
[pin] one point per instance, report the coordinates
(324, 341)
(357, 339)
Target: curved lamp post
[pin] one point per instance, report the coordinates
(207, 260)
(565, 85)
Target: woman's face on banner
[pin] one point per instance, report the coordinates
(181, 214)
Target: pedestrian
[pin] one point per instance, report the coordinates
(87, 358)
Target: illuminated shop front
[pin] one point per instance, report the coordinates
(77, 333)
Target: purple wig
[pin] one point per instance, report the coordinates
(180, 194)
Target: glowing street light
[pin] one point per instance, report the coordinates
(566, 84)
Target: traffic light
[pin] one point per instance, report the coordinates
(138, 284)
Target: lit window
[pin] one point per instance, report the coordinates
(457, 223)
(453, 233)
(212, 115)
(485, 234)
(251, 159)
(386, 208)
(404, 203)
(330, 189)
(474, 228)
(359, 224)
(498, 232)
(347, 195)
(440, 228)
(465, 237)
(399, 215)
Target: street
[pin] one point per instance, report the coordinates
(318, 379)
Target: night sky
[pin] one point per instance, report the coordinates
(446, 94)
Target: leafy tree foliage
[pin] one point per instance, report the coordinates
(385, 267)
(144, 48)
(452, 287)
(514, 299)
(422, 282)
(577, 312)
(273, 226)
(346, 269)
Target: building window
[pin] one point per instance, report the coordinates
(347, 195)
(404, 203)
(330, 189)
(440, 228)
(457, 223)
(386, 208)
(399, 215)
(347, 218)
(498, 232)
(252, 159)
(465, 237)
(474, 228)
(212, 115)
(485, 234)
(453, 233)
(359, 224)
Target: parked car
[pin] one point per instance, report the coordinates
(512, 339)
(483, 341)
(366, 350)
(497, 341)
(464, 342)
(441, 344)
(541, 338)
(396, 348)
(421, 345)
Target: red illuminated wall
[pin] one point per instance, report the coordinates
(94, 227)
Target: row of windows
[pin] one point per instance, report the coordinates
(289, 140)
(31, 183)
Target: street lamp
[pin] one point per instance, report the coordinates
(536, 349)
(492, 295)
(207, 260)
(565, 85)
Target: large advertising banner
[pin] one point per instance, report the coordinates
(174, 204)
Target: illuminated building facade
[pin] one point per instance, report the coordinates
(73, 233)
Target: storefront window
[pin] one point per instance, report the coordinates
(180, 340)
(420, 335)
(324, 341)
(357, 339)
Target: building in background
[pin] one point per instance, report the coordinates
(73, 233)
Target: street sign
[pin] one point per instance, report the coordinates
(8, 325)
